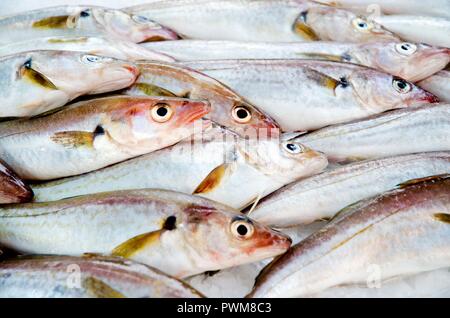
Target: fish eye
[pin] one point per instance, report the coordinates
(90, 59)
(161, 112)
(241, 114)
(84, 13)
(361, 24)
(27, 64)
(141, 19)
(401, 85)
(406, 48)
(293, 147)
(242, 228)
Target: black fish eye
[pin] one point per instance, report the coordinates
(304, 16)
(27, 64)
(343, 81)
(84, 14)
(242, 230)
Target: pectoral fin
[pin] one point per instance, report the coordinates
(303, 29)
(75, 139)
(443, 217)
(37, 78)
(57, 22)
(320, 56)
(153, 90)
(213, 179)
(322, 79)
(100, 289)
(137, 243)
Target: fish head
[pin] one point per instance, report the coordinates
(228, 238)
(380, 91)
(13, 189)
(129, 27)
(410, 61)
(332, 24)
(78, 73)
(139, 121)
(281, 159)
(245, 120)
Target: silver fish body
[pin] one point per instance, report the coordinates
(38, 81)
(180, 234)
(430, 284)
(307, 94)
(322, 196)
(417, 129)
(81, 21)
(402, 232)
(438, 8)
(87, 277)
(220, 166)
(438, 84)
(96, 133)
(256, 20)
(115, 48)
(422, 29)
(410, 61)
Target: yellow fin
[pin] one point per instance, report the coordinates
(57, 22)
(322, 79)
(153, 90)
(73, 139)
(68, 40)
(420, 180)
(321, 56)
(305, 31)
(135, 244)
(443, 217)
(213, 179)
(100, 289)
(37, 78)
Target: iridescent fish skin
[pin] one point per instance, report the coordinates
(410, 61)
(402, 232)
(96, 133)
(81, 21)
(227, 108)
(438, 8)
(220, 166)
(322, 196)
(412, 130)
(254, 20)
(12, 188)
(91, 276)
(38, 81)
(438, 84)
(181, 234)
(119, 49)
(307, 94)
(423, 29)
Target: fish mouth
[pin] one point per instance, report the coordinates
(161, 34)
(132, 69)
(430, 98)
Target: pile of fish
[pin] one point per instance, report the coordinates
(221, 148)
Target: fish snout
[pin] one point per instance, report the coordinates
(134, 70)
(160, 33)
(190, 111)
